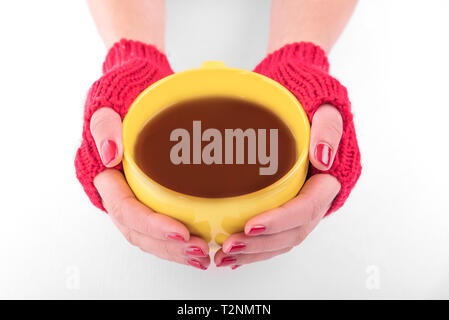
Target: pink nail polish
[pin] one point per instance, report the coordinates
(235, 266)
(195, 263)
(175, 236)
(226, 261)
(257, 230)
(108, 151)
(323, 153)
(237, 247)
(195, 251)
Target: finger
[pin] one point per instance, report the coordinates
(313, 201)
(167, 250)
(325, 135)
(222, 260)
(240, 243)
(106, 129)
(121, 204)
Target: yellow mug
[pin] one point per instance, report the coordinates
(214, 219)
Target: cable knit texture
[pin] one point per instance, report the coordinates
(303, 69)
(129, 68)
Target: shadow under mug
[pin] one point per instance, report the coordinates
(214, 219)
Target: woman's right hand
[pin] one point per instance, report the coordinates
(152, 232)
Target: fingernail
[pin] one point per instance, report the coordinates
(237, 247)
(226, 261)
(235, 266)
(195, 263)
(323, 153)
(195, 251)
(175, 236)
(108, 151)
(256, 230)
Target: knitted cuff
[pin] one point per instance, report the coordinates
(126, 50)
(129, 68)
(303, 69)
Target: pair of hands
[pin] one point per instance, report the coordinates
(266, 235)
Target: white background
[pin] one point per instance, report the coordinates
(391, 239)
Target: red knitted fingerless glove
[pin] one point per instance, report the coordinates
(304, 70)
(129, 68)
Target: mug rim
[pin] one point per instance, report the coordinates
(301, 157)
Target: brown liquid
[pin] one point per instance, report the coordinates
(215, 180)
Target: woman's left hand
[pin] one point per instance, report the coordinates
(278, 230)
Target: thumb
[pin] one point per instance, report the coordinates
(106, 129)
(326, 131)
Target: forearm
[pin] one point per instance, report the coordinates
(140, 20)
(317, 21)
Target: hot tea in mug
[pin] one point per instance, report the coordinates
(214, 146)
